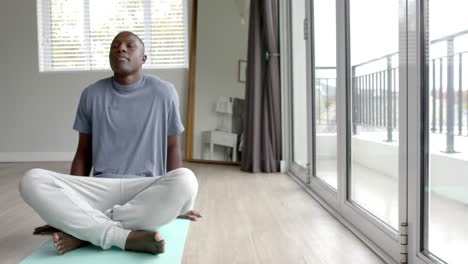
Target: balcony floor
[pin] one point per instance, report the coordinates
(378, 194)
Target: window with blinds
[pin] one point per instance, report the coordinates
(76, 34)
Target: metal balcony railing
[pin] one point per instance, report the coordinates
(375, 95)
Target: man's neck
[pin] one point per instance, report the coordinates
(128, 79)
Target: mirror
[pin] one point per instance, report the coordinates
(218, 56)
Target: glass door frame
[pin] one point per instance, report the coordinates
(418, 161)
(297, 170)
(384, 240)
(415, 130)
(326, 192)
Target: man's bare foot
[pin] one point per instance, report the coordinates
(145, 241)
(190, 215)
(45, 230)
(64, 242)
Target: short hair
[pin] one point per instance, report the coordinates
(133, 34)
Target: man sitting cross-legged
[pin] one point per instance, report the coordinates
(128, 128)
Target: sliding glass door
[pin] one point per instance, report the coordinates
(441, 233)
(324, 100)
(353, 113)
(313, 101)
(373, 117)
(379, 107)
(299, 91)
(324, 92)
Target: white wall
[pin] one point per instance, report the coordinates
(221, 42)
(37, 110)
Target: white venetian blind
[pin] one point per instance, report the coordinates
(76, 34)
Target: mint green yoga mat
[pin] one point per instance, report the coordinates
(173, 233)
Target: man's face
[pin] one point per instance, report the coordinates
(127, 54)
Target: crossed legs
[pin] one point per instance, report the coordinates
(108, 212)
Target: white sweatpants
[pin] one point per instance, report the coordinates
(103, 211)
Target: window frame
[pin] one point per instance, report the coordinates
(45, 47)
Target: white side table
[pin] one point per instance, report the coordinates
(221, 138)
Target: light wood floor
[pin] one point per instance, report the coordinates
(247, 218)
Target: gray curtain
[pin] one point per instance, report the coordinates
(262, 125)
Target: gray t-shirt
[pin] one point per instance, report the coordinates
(129, 125)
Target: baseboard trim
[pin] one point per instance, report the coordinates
(284, 166)
(35, 156)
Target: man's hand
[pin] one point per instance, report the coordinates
(190, 215)
(45, 230)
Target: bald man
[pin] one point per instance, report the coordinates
(129, 126)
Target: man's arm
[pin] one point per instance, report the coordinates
(173, 153)
(173, 162)
(83, 161)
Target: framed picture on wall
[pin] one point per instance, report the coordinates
(242, 71)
